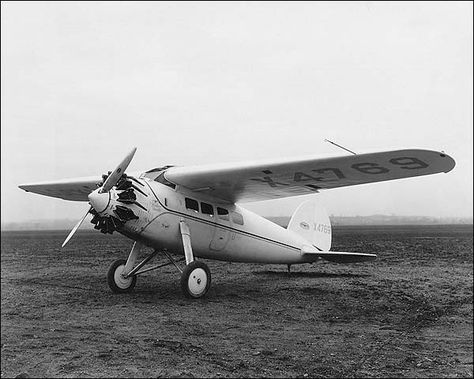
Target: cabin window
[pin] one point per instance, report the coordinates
(207, 209)
(192, 204)
(237, 218)
(223, 213)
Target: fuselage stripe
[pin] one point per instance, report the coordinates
(215, 224)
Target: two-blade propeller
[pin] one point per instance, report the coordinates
(71, 233)
(118, 172)
(111, 181)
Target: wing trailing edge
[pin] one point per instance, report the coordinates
(256, 181)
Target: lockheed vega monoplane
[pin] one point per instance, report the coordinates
(196, 212)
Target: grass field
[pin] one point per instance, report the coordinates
(407, 314)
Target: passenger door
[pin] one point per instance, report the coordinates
(221, 233)
(219, 239)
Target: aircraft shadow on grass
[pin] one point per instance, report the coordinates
(303, 274)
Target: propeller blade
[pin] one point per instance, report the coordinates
(114, 177)
(75, 228)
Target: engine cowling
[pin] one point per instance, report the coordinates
(121, 204)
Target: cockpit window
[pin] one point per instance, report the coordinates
(161, 179)
(207, 209)
(154, 172)
(191, 204)
(223, 213)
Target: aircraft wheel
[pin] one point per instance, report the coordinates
(195, 280)
(116, 281)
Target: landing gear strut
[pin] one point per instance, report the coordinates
(195, 278)
(122, 275)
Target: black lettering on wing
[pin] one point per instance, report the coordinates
(335, 173)
(370, 168)
(302, 177)
(269, 181)
(409, 163)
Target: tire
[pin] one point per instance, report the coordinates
(195, 280)
(116, 282)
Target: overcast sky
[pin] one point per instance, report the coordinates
(191, 83)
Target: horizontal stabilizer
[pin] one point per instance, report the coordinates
(313, 254)
(340, 257)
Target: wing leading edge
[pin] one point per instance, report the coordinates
(272, 180)
(69, 189)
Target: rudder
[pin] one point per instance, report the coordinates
(311, 221)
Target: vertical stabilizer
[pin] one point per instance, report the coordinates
(311, 221)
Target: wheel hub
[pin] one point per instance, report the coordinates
(197, 281)
(122, 281)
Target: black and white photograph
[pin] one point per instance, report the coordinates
(236, 189)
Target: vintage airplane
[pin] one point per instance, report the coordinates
(193, 211)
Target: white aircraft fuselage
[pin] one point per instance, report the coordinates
(238, 236)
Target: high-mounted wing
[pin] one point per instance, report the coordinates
(271, 180)
(69, 189)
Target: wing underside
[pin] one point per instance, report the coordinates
(246, 182)
(70, 189)
(272, 180)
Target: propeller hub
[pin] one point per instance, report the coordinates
(99, 200)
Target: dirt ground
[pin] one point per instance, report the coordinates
(407, 314)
